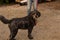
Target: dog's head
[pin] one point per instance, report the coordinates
(35, 14)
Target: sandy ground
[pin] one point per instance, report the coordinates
(47, 28)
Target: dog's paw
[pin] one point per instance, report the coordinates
(30, 37)
(12, 39)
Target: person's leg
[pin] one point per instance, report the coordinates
(35, 4)
(29, 4)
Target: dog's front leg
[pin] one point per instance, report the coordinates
(29, 32)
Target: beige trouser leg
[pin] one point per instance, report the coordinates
(29, 5)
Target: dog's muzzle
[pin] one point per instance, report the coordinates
(38, 14)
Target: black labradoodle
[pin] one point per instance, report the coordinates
(27, 22)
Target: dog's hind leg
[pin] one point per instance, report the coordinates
(13, 34)
(29, 32)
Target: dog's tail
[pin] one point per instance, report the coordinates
(4, 20)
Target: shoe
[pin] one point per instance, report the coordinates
(22, 4)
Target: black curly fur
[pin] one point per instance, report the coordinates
(27, 22)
